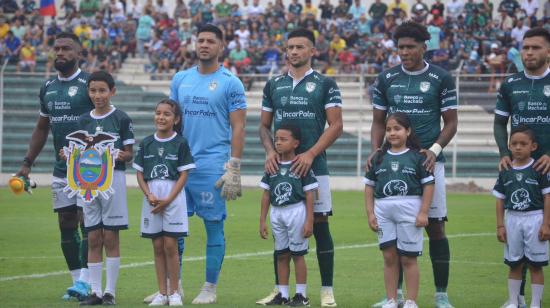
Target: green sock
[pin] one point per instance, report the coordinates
(523, 280)
(440, 256)
(84, 247)
(70, 244)
(325, 252)
(275, 267)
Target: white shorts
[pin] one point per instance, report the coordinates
(60, 199)
(322, 203)
(397, 224)
(438, 208)
(522, 239)
(172, 221)
(287, 226)
(110, 214)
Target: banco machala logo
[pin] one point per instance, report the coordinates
(520, 199)
(282, 191)
(395, 188)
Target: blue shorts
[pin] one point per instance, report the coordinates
(203, 198)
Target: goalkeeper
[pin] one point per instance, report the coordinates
(214, 111)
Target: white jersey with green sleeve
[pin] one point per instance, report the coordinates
(423, 95)
(303, 105)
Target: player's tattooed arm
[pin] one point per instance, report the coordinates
(500, 132)
(544, 233)
(272, 158)
(263, 214)
(501, 230)
(369, 207)
(377, 132)
(450, 123)
(38, 140)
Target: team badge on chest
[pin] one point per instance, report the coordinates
(394, 166)
(424, 86)
(519, 176)
(283, 171)
(546, 90)
(72, 91)
(310, 86)
(161, 151)
(213, 85)
(521, 105)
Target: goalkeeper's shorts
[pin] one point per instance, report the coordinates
(203, 198)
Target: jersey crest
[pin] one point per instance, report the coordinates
(72, 91)
(90, 165)
(424, 86)
(213, 85)
(546, 90)
(519, 176)
(394, 166)
(520, 199)
(310, 86)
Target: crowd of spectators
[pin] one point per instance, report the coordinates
(350, 37)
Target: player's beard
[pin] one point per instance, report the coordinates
(66, 66)
(537, 65)
(300, 63)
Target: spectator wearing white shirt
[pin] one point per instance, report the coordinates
(134, 9)
(455, 9)
(255, 10)
(243, 34)
(518, 32)
(530, 7)
(161, 8)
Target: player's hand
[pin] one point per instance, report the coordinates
(301, 163)
(263, 230)
(308, 228)
(505, 163)
(24, 171)
(368, 164)
(230, 182)
(501, 234)
(62, 154)
(373, 223)
(272, 162)
(123, 155)
(160, 206)
(542, 164)
(544, 232)
(429, 163)
(421, 220)
(153, 201)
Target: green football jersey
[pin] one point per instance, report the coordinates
(398, 174)
(63, 100)
(163, 159)
(527, 101)
(116, 123)
(522, 188)
(422, 95)
(304, 106)
(287, 188)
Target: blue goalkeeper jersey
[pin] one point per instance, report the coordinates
(206, 102)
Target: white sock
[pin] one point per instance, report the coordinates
(210, 285)
(84, 274)
(536, 295)
(75, 274)
(283, 289)
(112, 266)
(513, 290)
(301, 288)
(326, 289)
(95, 270)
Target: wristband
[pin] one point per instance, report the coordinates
(27, 161)
(436, 149)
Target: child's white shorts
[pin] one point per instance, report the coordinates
(522, 238)
(287, 225)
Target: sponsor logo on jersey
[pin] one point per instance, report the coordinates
(282, 192)
(395, 188)
(310, 86)
(332, 90)
(64, 119)
(171, 157)
(284, 100)
(213, 85)
(520, 199)
(546, 90)
(519, 176)
(394, 166)
(82, 80)
(202, 113)
(517, 119)
(398, 86)
(283, 88)
(537, 106)
(72, 91)
(51, 92)
(531, 181)
(424, 86)
(159, 172)
(295, 115)
(520, 92)
(199, 100)
(433, 76)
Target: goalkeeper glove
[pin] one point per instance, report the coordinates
(230, 182)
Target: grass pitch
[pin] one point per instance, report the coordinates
(33, 271)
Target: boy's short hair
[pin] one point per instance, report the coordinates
(301, 32)
(525, 130)
(411, 29)
(295, 131)
(538, 31)
(212, 29)
(102, 76)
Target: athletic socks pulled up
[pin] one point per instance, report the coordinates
(96, 271)
(440, 256)
(70, 245)
(215, 250)
(325, 252)
(112, 269)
